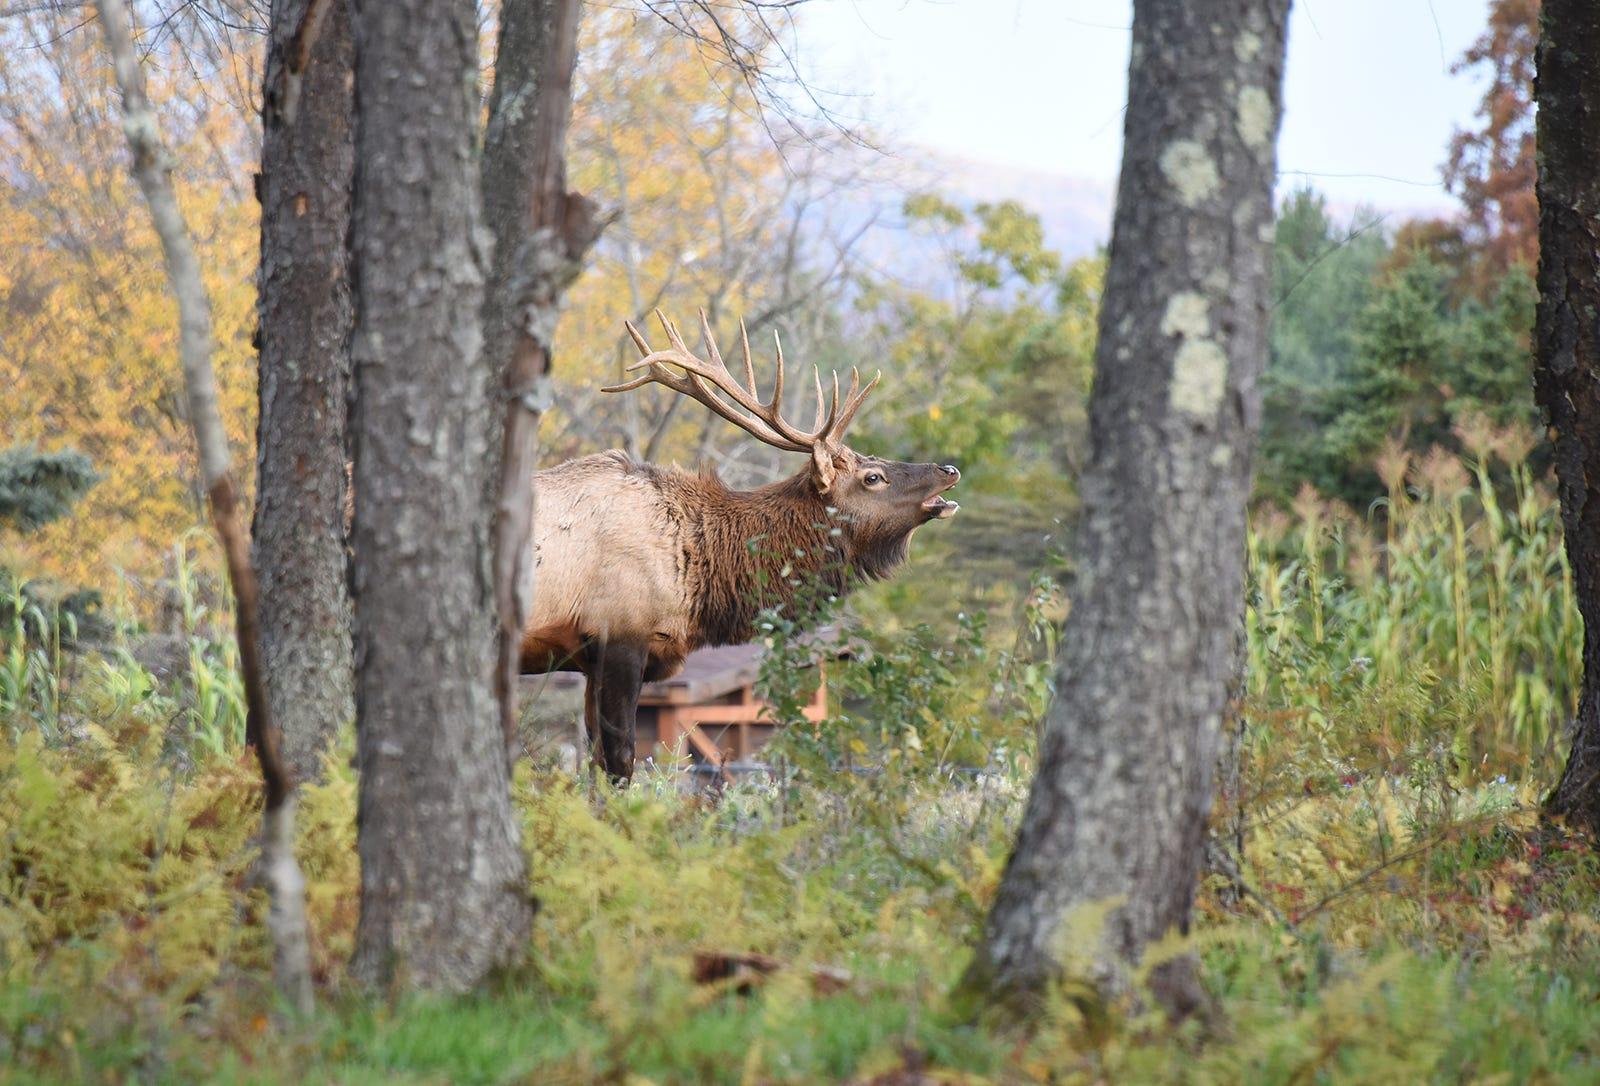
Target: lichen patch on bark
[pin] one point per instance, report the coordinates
(1199, 375)
(1254, 117)
(1200, 366)
(1187, 315)
(1189, 169)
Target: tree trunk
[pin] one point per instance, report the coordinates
(1567, 345)
(443, 882)
(1117, 814)
(541, 233)
(304, 313)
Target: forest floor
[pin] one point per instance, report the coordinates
(131, 943)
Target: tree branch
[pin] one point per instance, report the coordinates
(152, 169)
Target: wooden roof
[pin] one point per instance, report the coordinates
(708, 674)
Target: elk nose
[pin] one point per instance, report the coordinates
(951, 469)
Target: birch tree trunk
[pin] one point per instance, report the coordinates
(304, 313)
(443, 882)
(1117, 814)
(541, 234)
(152, 170)
(1567, 345)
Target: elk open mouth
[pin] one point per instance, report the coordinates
(939, 507)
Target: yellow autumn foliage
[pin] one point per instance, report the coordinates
(88, 331)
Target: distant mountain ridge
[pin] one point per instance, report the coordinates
(1074, 211)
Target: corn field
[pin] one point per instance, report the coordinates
(1446, 615)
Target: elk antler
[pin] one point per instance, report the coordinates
(703, 381)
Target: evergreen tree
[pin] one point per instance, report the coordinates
(37, 488)
(1323, 279)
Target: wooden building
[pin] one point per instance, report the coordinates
(708, 711)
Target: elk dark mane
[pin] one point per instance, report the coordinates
(738, 544)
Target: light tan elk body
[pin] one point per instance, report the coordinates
(637, 565)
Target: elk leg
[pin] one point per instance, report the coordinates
(611, 703)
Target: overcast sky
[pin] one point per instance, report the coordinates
(1040, 84)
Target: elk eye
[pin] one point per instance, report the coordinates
(873, 478)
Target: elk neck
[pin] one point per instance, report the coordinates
(747, 550)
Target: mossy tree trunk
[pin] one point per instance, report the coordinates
(1118, 811)
(443, 881)
(1567, 344)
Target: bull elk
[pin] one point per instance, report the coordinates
(637, 565)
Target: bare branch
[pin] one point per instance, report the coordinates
(39, 7)
(773, 87)
(152, 169)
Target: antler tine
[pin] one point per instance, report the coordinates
(673, 338)
(629, 386)
(855, 383)
(711, 345)
(654, 372)
(852, 403)
(777, 388)
(749, 366)
(826, 414)
(638, 338)
(774, 407)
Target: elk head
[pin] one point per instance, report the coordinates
(880, 502)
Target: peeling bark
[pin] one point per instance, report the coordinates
(304, 314)
(152, 169)
(541, 234)
(1567, 346)
(443, 879)
(1118, 811)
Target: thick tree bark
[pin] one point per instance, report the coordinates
(1118, 811)
(307, 157)
(443, 882)
(1567, 345)
(541, 233)
(152, 170)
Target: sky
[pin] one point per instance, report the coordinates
(1039, 84)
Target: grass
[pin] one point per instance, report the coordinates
(1398, 915)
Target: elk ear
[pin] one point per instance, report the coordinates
(824, 469)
